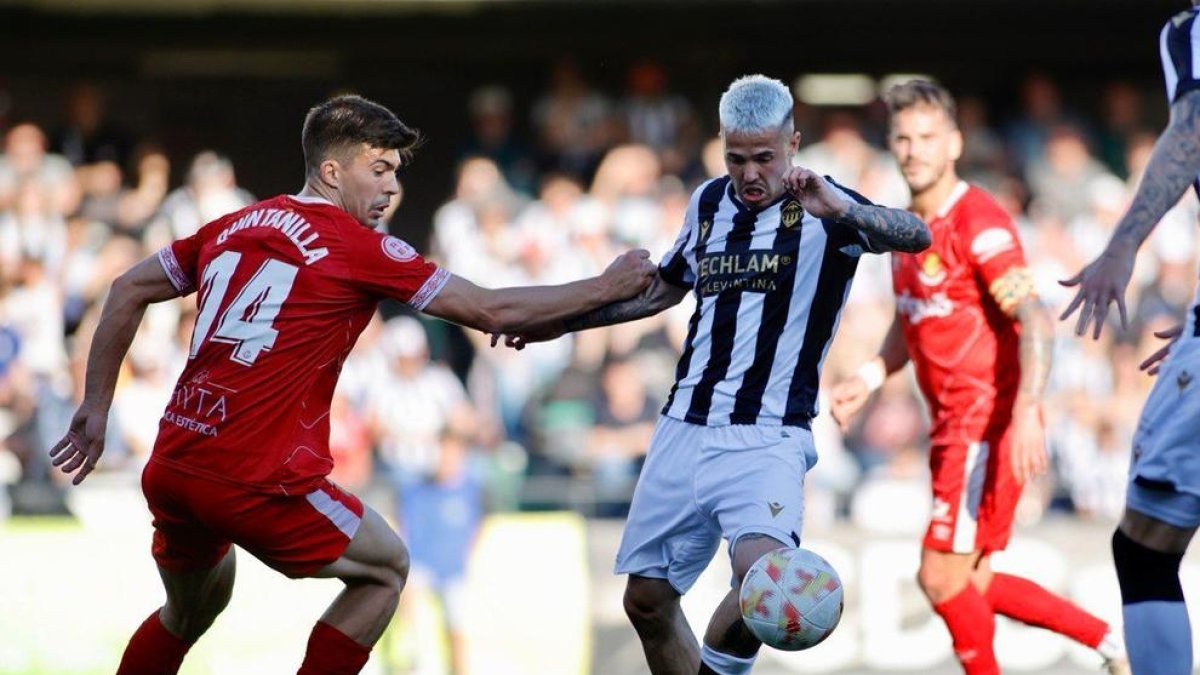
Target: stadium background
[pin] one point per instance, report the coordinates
(1061, 98)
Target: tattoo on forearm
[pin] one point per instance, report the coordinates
(1012, 288)
(646, 303)
(1173, 166)
(1035, 348)
(896, 229)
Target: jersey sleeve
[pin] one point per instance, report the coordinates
(994, 250)
(181, 259)
(388, 266)
(676, 266)
(853, 235)
(1179, 48)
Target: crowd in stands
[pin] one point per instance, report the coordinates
(549, 190)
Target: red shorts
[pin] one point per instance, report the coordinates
(197, 519)
(975, 495)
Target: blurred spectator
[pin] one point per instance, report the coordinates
(1066, 176)
(87, 136)
(574, 123)
(411, 403)
(658, 119)
(1121, 117)
(106, 199)
(1041, 111)
(983, 159)
(493, 136)
(456, 225)
(210, 192)
(440, 518)
(624, 417)
(844, 154)
(25, 161)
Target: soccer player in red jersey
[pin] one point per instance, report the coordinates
(980, 342)
(284, 287)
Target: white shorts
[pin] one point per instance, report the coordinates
(1164, 474)
(700, 484)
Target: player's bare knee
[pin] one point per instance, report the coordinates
(398, 568)
(938, 582)
(648, 606)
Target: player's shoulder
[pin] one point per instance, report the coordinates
(1182, 20)
(848, 192)
(978, 204)
(713, 188)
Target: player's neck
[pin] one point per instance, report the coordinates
(319, 192)
(927, 203)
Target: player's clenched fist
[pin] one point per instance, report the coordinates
(630, 273)
(814, 194)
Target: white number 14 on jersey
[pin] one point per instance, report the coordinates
(247, 322)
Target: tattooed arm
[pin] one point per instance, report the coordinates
(659, 295)
(1173, 166)
(1013, 292)
(893, 229)
(886, 229)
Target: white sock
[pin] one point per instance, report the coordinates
(1158, 637)
(724, 664)
(1111, 647)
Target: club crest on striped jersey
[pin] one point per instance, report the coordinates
(791, 213)
(397, 249)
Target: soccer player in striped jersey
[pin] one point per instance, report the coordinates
(284, 288)
(769, 252)
(979, 341)
(1162, 500)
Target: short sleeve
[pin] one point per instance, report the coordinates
(388, 266)
(993, 246)
(181, 261)
(674, 268)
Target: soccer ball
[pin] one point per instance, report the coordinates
(791, 599)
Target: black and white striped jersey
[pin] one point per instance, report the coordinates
(1179, 47)
(769, 288)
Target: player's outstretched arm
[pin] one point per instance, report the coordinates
(131, 293)
(888, 229)
(659, 295)
(520, 309)
(851, 394)
(1173, 166)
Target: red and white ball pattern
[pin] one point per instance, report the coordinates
(791, 599)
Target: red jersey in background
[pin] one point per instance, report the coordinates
(963, 346)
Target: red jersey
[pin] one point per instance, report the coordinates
(285, 287)
(963, 346)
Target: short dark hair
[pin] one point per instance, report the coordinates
(342, 122)
(921, 93)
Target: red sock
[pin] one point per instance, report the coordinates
(332, 652)
(153, 650)
(1025, 601)
(972, 627)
